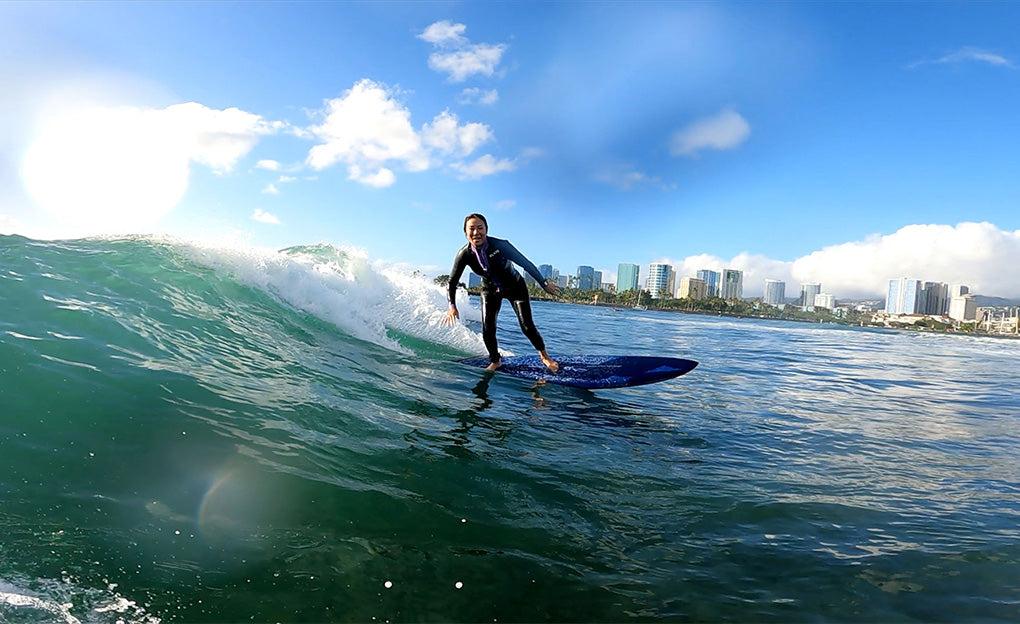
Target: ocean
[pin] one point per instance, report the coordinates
(201, 434)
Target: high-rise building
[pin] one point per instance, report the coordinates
(660, 280)
(808, 292)
(545, 270)
(711, 279)
(903, 297)
(775, 292)
(934, 299)
(825, 300)
(474, 280)
(963, 307)
(958, 290)
(597, 281)
(732, 285)
(692, 288)
(585, 278)
(892, 297)
(627, 277)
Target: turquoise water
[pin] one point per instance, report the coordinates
(190, 434)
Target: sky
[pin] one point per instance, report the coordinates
(840, 143)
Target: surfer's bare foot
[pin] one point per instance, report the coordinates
(551, 364)
(494, 366)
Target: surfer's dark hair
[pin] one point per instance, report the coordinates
(475, 215)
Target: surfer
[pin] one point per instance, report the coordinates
(493, 259)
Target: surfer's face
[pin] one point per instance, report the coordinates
(475, 230)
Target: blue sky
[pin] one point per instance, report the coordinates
(844, 143)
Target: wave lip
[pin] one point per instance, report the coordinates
(340, 285)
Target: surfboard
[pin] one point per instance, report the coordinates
(593, 371)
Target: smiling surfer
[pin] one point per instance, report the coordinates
(493, 259)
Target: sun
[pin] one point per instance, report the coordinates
(107, 170)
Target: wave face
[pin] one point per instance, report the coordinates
(202, 434)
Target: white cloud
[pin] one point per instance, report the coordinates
(370, 132)
(531, 153)
(483, 166)
(268, 165)
(974, 254)
(969, 54)
(458, 58)
(723, 131)
(445, 33)
(475, 95)
(445, 135)
(462, 64)
(272, 189)
(119, 169)
(366, 128)
(505, 204)
(381, 178)
(624, 177)
(217, 138)
(264, 217)
(756, 268)
(979, 255)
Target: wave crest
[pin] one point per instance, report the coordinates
(340, 285)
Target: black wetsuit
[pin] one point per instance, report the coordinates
(501, 281)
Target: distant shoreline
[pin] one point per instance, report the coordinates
(924, 330)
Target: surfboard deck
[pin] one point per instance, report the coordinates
(593, 371)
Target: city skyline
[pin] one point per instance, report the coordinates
(810, 294)
(803, 142)
(906, 298)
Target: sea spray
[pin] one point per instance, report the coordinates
(340, 285)
(54, 601)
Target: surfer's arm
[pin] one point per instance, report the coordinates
(459, 263)
(520, 260)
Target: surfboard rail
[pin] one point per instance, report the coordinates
(593, 371)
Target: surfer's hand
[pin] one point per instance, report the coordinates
(551, 288)
(451, 316)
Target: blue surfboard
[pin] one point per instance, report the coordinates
(593, 371)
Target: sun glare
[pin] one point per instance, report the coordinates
(107, 170)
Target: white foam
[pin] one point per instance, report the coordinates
(31, 602)
(339, 285)
(57, 599)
